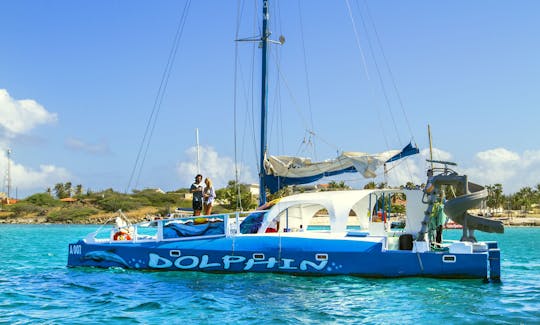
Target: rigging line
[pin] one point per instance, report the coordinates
(308, 88)
(179, 33)
(277, 119)
(381, 82)
(248, 113)
(277, 104)
(238, 16)
(364, 64)
(295, 102)
(248, 96)
(385, 60)
(153, 113)
(161, 91)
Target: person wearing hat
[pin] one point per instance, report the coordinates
(197, 191)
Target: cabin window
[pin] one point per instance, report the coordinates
(174, 253)
(321, 257)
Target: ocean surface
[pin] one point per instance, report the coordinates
(37, 287)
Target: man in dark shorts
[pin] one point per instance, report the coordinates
(197, 190)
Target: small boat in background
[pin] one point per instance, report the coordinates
(452, 225)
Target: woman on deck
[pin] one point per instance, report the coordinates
(208, 196)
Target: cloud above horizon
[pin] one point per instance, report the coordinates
(19, 116)
(30, 179)
(219, 168)
(499, 165)
(101, 148)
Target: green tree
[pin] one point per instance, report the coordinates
(370, 186)
(236, 196)
(60, 191)
(68, 188)
(78, 190)
(335, 186)
(495, 196)
(42, 199)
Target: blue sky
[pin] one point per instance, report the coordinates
(78, 81)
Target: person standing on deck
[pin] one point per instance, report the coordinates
(208, 196)
(197, 191)
(437, 219)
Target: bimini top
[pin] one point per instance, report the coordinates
(298, 210)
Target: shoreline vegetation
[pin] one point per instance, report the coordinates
(509, 218)
(521, 209)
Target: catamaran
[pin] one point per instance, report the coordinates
(277, 237)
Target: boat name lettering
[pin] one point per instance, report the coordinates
(189, 262)
(75, 249)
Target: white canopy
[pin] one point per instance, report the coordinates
(300, 208)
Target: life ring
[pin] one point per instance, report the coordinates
(122, 235)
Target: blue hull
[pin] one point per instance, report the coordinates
(294, 255)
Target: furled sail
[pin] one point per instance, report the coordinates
(285, 170)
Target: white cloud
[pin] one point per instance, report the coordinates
(20, 116)
(414, 168)
(499, 165)
(28, 180)
(17, 118)
(220, 169)
(91, 148)
(508, 168)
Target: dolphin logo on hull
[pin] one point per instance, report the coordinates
(100, 256)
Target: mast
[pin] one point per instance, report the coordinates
(264, 103)
(198, 151)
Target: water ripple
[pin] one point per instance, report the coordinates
(36, 287)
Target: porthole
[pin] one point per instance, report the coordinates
(258, 256)
(449, 258)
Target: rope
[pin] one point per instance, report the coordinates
(385, 60)
(150, 125)
(238, 15)
(379, 75)
(364, 65)
(308, 88)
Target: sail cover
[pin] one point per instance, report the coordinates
(285, 170)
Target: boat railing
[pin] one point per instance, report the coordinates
(183, 227)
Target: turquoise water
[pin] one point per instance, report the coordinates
(36, 287)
